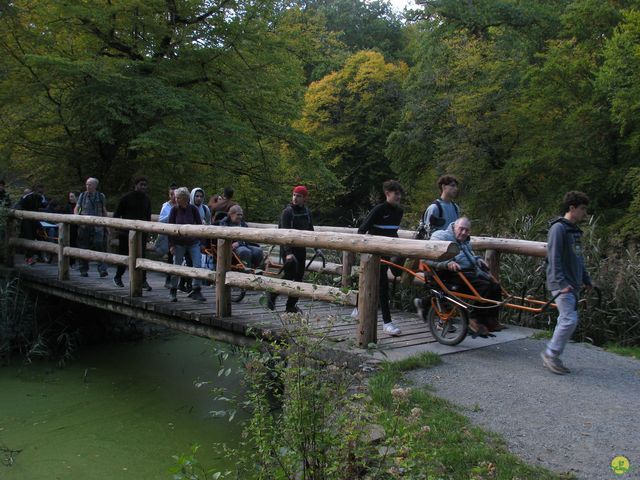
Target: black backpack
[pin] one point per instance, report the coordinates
(424, 232)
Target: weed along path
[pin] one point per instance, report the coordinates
(576, 423)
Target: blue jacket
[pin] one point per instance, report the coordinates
(466, 258)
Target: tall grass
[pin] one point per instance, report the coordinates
(614, 317)
(17, 320)
(28, 332)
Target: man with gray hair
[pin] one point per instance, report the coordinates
(475, 269)
(93, 203)
(249, 253)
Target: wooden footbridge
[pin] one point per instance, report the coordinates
(327, 311)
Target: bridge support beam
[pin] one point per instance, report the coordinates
(135, 274)
(8, 247)
(348, 261)
(368, 300)
(64, 237)
(223, 292)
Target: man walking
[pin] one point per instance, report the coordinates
(443, 211)
(295, 216)
(93, 203)
(565, 275)
(384, 220)
(134, 205)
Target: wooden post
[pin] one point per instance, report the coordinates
(368, 300)
(135, 274)
(348, 259)
(223, 292)
(64, 235)
(8, 234)
(492, 257)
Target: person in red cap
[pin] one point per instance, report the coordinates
(295, 216)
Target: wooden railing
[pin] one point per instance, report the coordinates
(370, 248)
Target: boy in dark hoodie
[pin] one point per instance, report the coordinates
(565, 275)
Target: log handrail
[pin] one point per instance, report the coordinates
(342, 239)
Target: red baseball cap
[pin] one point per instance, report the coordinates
(302, 190)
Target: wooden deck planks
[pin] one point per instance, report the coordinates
(331, 320)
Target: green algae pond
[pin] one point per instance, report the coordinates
(116, 411)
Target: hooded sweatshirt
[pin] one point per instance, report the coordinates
(203, 209)
(565, 263)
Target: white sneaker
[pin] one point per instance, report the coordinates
(417, 302)
(391, 329)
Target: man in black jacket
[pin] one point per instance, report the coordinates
(295, 216)
(134, 205)
(384, 220)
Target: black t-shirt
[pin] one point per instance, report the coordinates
(383, 220)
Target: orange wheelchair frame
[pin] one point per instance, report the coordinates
(448, 314)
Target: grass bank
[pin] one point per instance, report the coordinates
(428, 438)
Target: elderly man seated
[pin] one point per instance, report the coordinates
(249, 253)
(483, 320)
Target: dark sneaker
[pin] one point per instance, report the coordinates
(117, 281)
(185, 287)
(554, 364)
(294, 309)
(173, 295)
(84, 274)
(103, 274)
(422, 314)
(146, 286)
(196, 295)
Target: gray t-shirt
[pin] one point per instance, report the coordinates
(449, 214)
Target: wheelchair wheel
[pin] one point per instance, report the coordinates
(237, 294)
(448, 322)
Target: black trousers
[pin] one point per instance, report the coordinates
(293, 270)
(383, 292)
(486, 287)
(123, 249)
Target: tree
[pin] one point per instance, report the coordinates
(349, 114)
(184, 90)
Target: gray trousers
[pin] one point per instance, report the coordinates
(567, 322)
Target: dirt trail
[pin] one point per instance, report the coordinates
(573, 423)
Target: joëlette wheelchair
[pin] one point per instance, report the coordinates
(448, 314)
(267, 267)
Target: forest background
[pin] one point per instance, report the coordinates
(521, 100)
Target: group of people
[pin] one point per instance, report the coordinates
(441, 220)
(565, 272)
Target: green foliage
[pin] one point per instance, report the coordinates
(521, 101)
(611, 316)
(17, 321)
(349, 114)
(176, 89)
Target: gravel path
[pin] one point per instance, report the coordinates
(573, 423)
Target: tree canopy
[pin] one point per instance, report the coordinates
(521, 100)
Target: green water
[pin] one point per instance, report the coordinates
(137, 406)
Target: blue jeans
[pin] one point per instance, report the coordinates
(250, 255)
(178, 257)
(567, 322)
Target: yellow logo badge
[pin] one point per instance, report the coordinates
(620, 465)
